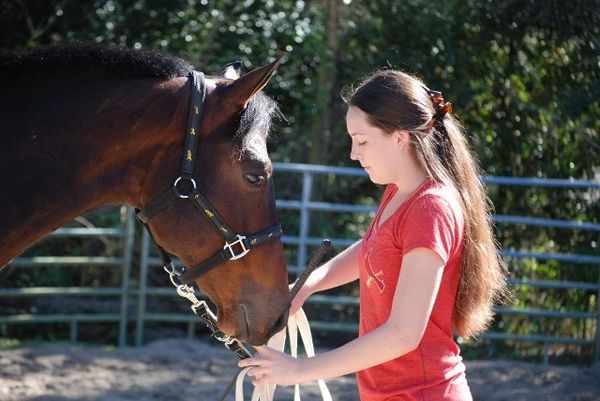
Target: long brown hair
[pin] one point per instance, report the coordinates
(395, 100)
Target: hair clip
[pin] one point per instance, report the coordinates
(441, 107)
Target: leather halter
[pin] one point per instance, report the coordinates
(236, 245)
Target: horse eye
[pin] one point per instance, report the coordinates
(256, 180)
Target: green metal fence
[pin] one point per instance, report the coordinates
(134, 298)
(124, 233)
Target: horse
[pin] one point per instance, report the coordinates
(87, 125)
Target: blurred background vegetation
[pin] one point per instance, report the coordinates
(523, 76)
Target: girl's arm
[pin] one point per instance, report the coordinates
(414, 297)
(340, 270)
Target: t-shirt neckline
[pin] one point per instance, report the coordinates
(377, 226)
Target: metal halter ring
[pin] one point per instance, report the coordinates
(240, 241)
(170, 269)
(181, 194)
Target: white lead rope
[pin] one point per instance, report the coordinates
(296, 323)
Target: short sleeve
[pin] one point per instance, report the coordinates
(429, 223)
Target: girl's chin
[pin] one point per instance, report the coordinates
(378, 180)
(375, 180)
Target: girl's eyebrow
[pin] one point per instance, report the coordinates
(356, 133)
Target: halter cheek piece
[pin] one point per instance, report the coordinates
(236, 245)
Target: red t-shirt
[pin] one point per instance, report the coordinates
(431, 217)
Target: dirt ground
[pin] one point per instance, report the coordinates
(195, 371)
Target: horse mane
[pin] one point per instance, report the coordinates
(63, 60)
(68, 59)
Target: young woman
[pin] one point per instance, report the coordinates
(428, 265)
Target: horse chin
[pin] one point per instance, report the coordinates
(245, 334)
(244, 324)
(257, 337)
(279, 325)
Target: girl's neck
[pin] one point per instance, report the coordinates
(411, 178)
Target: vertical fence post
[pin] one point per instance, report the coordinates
(141, 304)
(546, 359)
(191, 330)
(304, 218)
(127, 218)
(597, 348)
(73, 333)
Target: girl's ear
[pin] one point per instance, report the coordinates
(402, 137)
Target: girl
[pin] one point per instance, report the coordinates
(428, 264)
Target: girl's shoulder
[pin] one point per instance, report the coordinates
(434, 220)
(439, 194)
(439, 200)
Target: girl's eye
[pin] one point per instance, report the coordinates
(361, 143)
(255, 180)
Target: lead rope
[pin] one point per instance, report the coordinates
(296, 323)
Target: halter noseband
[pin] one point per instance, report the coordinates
(236, 245)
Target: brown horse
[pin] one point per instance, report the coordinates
(83, 126)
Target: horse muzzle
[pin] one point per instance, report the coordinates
(251, 325)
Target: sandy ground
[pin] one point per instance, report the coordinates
(193, 370)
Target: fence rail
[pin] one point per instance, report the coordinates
(304, 205)
(125, 234)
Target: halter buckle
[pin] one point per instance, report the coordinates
(184, 194)
(234, 345)
(239, 241)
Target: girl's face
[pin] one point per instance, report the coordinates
(378, 152)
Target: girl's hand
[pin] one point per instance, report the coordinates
(273, 367)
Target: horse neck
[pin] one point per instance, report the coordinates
(72, 145)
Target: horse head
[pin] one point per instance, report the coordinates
(88, 125)
(232, 177)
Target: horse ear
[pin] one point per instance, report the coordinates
(232, 70)
(242, 89)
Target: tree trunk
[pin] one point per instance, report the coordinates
(321, 129)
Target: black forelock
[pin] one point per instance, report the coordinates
(62, 60)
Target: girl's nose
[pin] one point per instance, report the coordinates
(353, 154)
